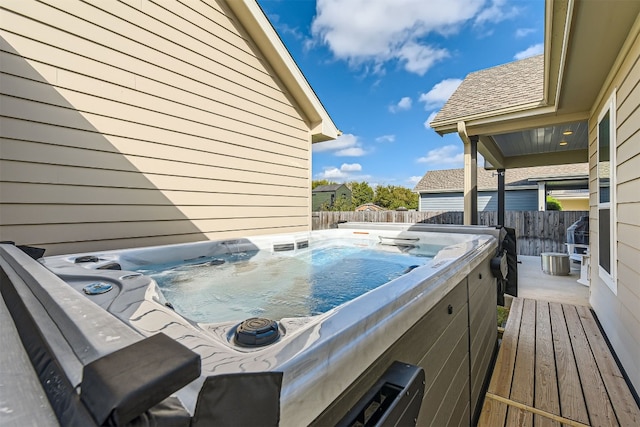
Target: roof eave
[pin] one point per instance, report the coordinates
(518, 112)
(266, 39)
(557, 25)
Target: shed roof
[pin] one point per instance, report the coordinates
(327, 188)
(509, 85)
(453, 179)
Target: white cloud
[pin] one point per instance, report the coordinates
(498, 11)
(343, 141)
(530, 51)
(419, 58)
(386, 138)
(353, 167)
(439, 93)
(445, 156)
(332, 173)
(427, 123)
(346, 145)
(351, 152)
(524, 32)
(414, 179)
(343, 173)
(370, 33)
(403, 104)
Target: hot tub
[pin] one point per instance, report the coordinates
(314, 367)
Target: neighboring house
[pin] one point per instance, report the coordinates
(526, 188)
(578, 102)
(137, 123)
(369, 207)
(326, 195)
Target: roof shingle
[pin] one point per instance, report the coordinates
(453, 179)
(509, 85)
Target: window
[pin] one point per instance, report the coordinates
(606, 195)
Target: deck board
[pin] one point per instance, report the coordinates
(546, 382)
(522, 387)
(625, 407)
(554, 368)
(595, 395)
(571, 397)
(493, 413)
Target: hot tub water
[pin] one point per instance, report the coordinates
(241, 285)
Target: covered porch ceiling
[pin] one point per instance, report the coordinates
(535, 112)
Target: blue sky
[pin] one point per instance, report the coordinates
(383, 68)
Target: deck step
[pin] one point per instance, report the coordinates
(555, 368)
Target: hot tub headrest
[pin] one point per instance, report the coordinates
(120, 386)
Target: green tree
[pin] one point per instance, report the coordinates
(342, 204)
(361, 193)
(383, 197)
(553, 204)
(393, 197)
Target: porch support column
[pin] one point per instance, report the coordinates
(470, 175)
(501, 206)
(542, 196)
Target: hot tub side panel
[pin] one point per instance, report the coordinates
(439, 344)
(454, 343)
(483, 331)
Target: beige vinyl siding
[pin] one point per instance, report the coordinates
(620, 314)
(139, 123)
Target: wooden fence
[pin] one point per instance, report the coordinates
(536, 232)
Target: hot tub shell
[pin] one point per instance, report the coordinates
(440, 317)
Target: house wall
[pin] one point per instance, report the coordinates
(620, 314)
(515, 200)
(321, 198)
(137, 123)
(574, 204)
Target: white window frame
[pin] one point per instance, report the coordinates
(609, 278)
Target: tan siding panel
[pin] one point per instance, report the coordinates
(27, 214)
(54, 233)
(628, 93)
(629, 213)
(628, 279)
(132, 123)
(627, 126)
(95, 60)
(628, 149)
(195, 108)
(178, 183)
(33, 111)
(81, 195)
(84, 37)
(628, 255)
(628, 171)
(154, 169)
(50, 65)
(210, 20)
(174, 22)
(199, 122)
(209, 151)
(628, 192)
(161, 38)
(631, 302)
(17, 151)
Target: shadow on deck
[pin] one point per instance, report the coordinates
(534, 284)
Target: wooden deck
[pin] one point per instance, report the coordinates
(554, 368)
